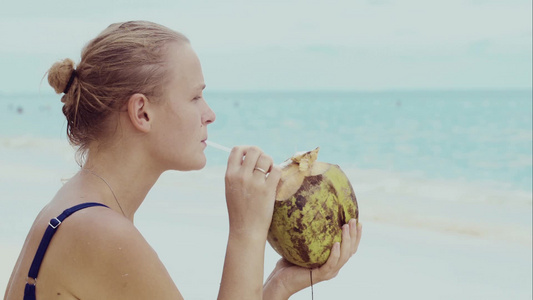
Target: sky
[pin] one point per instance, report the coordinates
(293, 45)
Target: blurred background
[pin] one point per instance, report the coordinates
(426, 106)
(250, 45)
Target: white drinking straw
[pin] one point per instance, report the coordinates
(218, 146)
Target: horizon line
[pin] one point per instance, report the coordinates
(323, 90)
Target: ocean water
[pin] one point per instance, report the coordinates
(442, 179)
(468, 136)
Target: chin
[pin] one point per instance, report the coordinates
(199, 167)
(192, 165)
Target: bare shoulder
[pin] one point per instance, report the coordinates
(109, 258)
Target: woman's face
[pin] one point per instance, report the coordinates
(183, 114)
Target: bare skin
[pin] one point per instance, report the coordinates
(97, 253)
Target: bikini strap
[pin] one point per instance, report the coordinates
(29, 291)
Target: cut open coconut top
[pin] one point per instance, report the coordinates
(295, 169)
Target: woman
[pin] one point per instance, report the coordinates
(135, 109)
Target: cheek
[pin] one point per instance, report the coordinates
(182, 126)
(187, 129)
(192, 120)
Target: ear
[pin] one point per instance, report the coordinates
(138, 111)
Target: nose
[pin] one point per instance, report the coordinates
(208, 116)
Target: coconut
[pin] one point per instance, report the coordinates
(313, 201)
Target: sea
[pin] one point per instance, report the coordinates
(443, 180)
(477, 136)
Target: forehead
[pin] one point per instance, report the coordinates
(184, 67)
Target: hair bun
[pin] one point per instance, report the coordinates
(59, 74)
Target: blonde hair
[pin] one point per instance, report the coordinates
(124, 59)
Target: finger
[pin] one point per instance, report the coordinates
(235, 158)
(353, 235)
(265, 162)
(282, 263)
(263, 166)
(250, 160)
(329, 269)
(346, 249)
(274, 176)
(359, 234)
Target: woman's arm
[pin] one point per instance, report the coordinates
(287, 279)
(250, 196)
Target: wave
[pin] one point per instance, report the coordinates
(479, 209)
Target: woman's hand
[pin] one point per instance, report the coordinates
(251, 181)
(286, 279)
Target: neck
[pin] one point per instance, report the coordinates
(126, 176)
